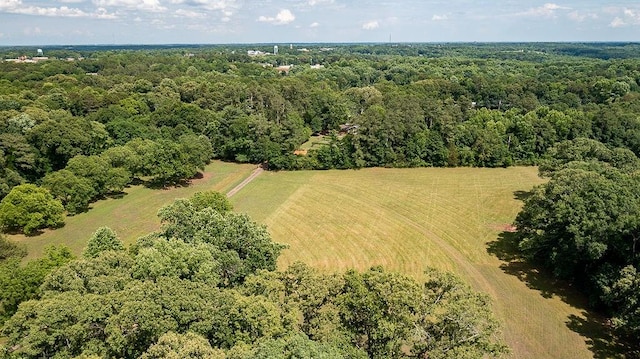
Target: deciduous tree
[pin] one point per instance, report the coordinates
(28, 208)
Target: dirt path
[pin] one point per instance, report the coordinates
(246, 181)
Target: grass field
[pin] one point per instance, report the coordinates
(133, 215)
(406, 219)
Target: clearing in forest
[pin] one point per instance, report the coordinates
(455, 219)
(134, 214)
(405, 219)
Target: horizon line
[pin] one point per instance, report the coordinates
(329, 43)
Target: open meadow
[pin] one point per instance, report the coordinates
(407, 219)
(456, 219)
(134, 214)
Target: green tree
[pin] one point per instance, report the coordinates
(104, 239)
(564, 153)
(104, 178)
(156, 259)
(578, 219)
(20, 283)
(296, 346)
(18, 154)
(74, 192)
(211, 199)
(623, 294)
(178, 346)
(378, 308)
(28, 208)
(10, 250)
(245, 246)
(454, 321)
(60, 139)
(583, 225)
(167, 163)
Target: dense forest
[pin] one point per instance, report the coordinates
(87, 122)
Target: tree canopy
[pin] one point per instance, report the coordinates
(583, 224)
(28, 208)
(168, 114)
(205, 286)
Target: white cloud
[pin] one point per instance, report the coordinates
(190, 14)
(52, 11)
(213, 5)
(439, 17)
(17, 7)
(145, 5)
(371, 25)
(162, 25)
(320, 2)
(283, 17)
(617, 22)
(10, 4)
(629, 17)
(314, 24)
(580, 17)
(547, 10)
(102, 13)
(632, 15)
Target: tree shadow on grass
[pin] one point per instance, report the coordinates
(116, 195)
(591, 326)
(169, 184)
(521, 195)
(506, 249)
(600, 339)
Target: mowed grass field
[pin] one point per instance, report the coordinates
(133, 215)
(404, 219)
(408, 219)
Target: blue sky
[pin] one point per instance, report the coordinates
(40, 22)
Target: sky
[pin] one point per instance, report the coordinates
(85, 22)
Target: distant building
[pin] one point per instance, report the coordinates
(349, 128)
(317, 66)
(26, 60)
(256, 53)
(275, 50)
(284, 69)
(40, 53)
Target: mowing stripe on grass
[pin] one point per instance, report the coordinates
(408, 219)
